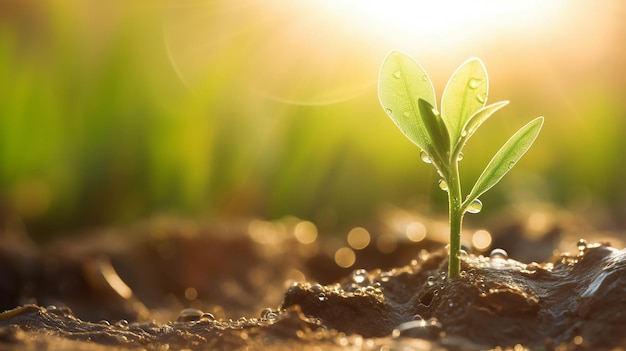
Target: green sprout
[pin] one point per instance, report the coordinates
(407, 95)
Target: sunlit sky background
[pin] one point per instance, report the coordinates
(313, 52)
(113, 111)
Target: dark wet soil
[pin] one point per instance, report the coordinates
(169, 284)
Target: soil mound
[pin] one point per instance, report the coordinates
(199, 289)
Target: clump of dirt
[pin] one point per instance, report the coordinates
(181, 286)
(497, 301)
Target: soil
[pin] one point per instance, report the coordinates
(169, 284)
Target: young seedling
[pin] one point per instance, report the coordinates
(407, 95)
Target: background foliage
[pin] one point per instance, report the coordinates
(107, 115)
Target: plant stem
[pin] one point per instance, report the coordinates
(456, 218)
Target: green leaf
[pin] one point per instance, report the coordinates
(437, 131)
(505, 159)
(465, 93)
(402, 81)
(476, 120)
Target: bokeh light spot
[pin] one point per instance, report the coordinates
(358, 238)
(345, 257)
(481, 240)
(416, 231)
(305, 232)
(191, 294)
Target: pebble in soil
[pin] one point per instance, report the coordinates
(573, 301)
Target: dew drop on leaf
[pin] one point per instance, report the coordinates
(498, 254)
(425, 157)
(475, 206)
(464, 133)
(443, 185)
(425, 78)
(460, 156)
(397, 74)
(474, 83)
(481, 98)
(388, 111)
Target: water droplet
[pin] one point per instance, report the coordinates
(425, 157)
(431, 280)
(481, 98)
(265, 312)
(443, 185)
(207, 317)
(464, 133)
(189, 315)
(460, 156)
(462, 254)
(104, 322)
(425, 78)
(122, 323)
(385, 276)
(322, 297)
(475, 207)
(418, 317)
(317, 288)
(268, 314)
(511, 164)
(424, 329)
(498, 254)
(359, 276)
(582, 245)
(474, 83)
(397, 74)
(388, 111)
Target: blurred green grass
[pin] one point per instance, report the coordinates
(97, 128)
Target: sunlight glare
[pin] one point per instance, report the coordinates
(452, 22)
(315, 52)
